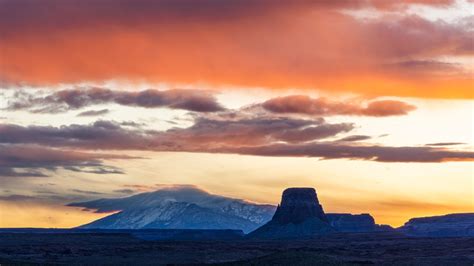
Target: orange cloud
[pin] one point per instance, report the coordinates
(301, 104)
(273, 44)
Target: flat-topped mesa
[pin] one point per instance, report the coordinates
(298, 215)
(297, 205)
(299, 197)
(450, 225)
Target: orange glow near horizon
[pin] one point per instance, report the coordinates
(390, 196)
(180, 92)
(25, 214)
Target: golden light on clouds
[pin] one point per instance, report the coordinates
(368, 101)
(321, 49)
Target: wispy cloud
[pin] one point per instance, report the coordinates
(371, 153)
(89, 192)
(445, 144)
(94, 112)
(204, 133)
(355, 138)
(258, 136)
(72, 99)
(37, 161)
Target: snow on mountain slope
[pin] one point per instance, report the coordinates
(178, 208)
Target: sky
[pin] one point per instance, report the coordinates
(371, 102)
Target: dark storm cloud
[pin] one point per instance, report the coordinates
(302, 104)
(37, 161)
(72, 99)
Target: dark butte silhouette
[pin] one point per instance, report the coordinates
(298, 215)
(297, 205)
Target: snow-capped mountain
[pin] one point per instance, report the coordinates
(178, 208)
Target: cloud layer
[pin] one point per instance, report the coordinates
(204, 133)
(257, 136)
(198, 101)
(34, 161)
(247, 43)
(363, 152)
(302, 104)
(72, 99)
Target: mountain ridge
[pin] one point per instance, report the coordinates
(178, 208)
(187, 207)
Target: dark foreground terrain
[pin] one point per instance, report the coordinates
(123, 248)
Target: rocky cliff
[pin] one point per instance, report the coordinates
(297, 205)
(298, 215)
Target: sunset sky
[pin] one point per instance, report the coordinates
(371, 102)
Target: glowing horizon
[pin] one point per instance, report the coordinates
(369, 102)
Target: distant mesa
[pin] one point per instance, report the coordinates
(298, 215)
(452, 225)
(355, 223)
